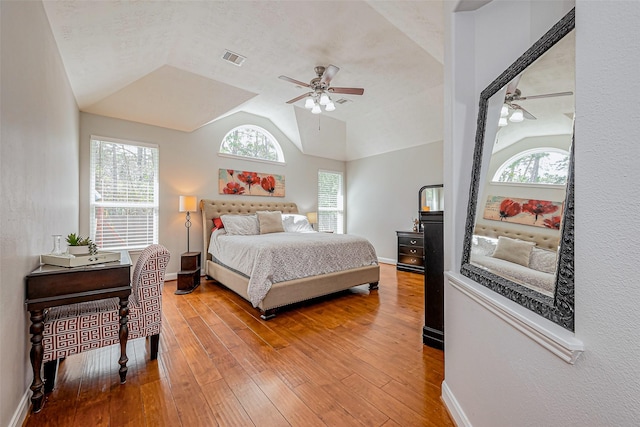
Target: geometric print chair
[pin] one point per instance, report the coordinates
(74, 328)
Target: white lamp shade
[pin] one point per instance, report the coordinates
(188, 203)
(504, 112)
(324, 99)
(330, 106)
(316, 109)
(309, 103)
(517, 116)
(312, 217)
(502, 121)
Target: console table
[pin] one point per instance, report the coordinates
(51, 286)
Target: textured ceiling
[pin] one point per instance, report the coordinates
(160, 63)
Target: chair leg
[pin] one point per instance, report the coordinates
(50, 370)
(153, 342)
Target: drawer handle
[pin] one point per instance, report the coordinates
(413, 251)
(413, 242)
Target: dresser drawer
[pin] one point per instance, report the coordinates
(411, 260)
(410, 241)
(413, 251)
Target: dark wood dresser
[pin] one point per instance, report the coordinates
(410, 251)
(432, 224)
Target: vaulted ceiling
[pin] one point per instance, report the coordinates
(160, 63)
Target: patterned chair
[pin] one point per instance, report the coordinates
(75, 328)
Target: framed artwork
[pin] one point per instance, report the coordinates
(537, 213)
(250, 183)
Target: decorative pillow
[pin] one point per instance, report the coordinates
(543, 260)
(270, 222)
(483, 245)
(217, 224)
(294, 223)
(516, 251)
(241, 225)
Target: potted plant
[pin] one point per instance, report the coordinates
(78, 245)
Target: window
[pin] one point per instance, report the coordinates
(124, 194)
(330, 202)
(252, 142)
(549, 166)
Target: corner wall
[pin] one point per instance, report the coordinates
(382, 193)
(494, 374)
(39, 184)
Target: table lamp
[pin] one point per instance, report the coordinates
(188, 205)
(313, 218)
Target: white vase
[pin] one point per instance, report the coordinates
(78, 250)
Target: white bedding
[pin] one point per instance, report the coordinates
(279, 257)
(537, 280)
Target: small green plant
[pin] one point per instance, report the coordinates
(74, 239)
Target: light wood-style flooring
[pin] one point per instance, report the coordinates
(355, 359)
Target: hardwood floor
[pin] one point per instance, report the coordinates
(350, 360)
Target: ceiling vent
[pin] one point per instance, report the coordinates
(342, 101)
(234, 58)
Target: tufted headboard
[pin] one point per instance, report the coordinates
(215, 208)
(541, 240)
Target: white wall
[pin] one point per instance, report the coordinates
(496, 375)
(39, 180)
(382, 193)
(189, 165)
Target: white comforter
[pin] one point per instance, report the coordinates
(278, 257)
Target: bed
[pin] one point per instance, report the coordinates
(536, 272)
(279, 293)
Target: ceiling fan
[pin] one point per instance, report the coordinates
(321, 89)
(519, 113)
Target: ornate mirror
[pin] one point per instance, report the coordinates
(519, 229)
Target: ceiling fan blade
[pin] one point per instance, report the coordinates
(294, 81)
(298, 98)
(525, 113)
(347, 90)
(546, 95)
(329, 73)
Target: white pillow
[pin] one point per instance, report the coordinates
(483, 245)
(513, 250)
(241, 225)
(270, 222)
(294, 223)
(543, 260)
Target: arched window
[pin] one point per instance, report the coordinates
(252, 142)
(537, 166)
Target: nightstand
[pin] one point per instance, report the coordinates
(189, 274)
(410, 251)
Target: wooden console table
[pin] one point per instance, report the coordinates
(51, 286)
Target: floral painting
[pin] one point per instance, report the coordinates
(250, 183)
(538, 213)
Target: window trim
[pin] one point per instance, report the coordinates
(279, 152)
(523, 154)
(155, 206)
(342, 192)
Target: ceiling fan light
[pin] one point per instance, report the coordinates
(505, 110)
(309, 103)
(324, 99)
(330, 106)
(503, 122)
(517, 116)
(316, 109)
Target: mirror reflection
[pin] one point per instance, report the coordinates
(528, 136)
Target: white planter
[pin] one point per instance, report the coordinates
(78, 250)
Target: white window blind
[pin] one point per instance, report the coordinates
(330, 201)
(124, 194)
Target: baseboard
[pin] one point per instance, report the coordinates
(454, 408)
(387, 261)
(22, 410)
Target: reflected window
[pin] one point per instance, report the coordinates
(538, 166)
(252, 142)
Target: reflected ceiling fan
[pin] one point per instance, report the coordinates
(321, 89)
(519, 113)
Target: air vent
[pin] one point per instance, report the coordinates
(234, 58)
(342, 101)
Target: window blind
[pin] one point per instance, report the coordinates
(124, 194)
(330, 201)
